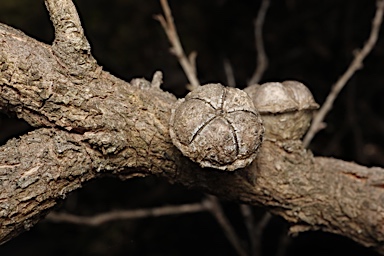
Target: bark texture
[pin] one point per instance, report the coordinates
(90, 123)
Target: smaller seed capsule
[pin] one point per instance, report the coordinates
(286, 108)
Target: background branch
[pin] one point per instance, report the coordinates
(188, 64)
(355, 65)
(262, 59)
(117, 215)
(228, 70)
(209, 204)
(217, 211)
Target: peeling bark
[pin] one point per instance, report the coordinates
(89, 123)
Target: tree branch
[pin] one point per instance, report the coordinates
(217, 211)
(100, 125)
(188, 64)
(209, 204)
(355, 65)
(126, 214)
(34, 177)
(262, 59)
(70, 44)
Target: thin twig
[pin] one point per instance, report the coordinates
(355, 65)
(262, 59)
(249, 221)
(125, 214)
(188, 64)
(229, 73)
(215, 209)
(284, 242)
(259, 230)
(209, 204)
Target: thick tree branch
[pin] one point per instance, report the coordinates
(100, 125)
(33, 178)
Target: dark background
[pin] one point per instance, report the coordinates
(306, 40)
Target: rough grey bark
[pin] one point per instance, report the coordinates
(90, 123)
